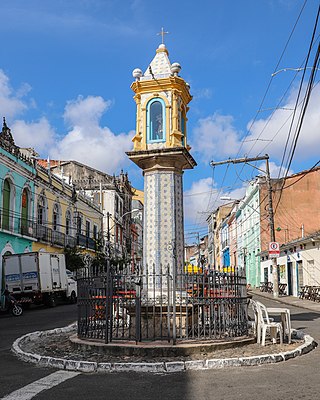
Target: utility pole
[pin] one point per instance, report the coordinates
(270, 207)
(272, 232)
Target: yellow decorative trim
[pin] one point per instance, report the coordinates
(162, 50)
(137, 142)
(176, 137)
(173, 88)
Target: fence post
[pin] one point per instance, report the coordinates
(168, 305)
(138, 309)
(174, 327)
(109, 316)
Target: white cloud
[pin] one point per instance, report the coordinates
(275, 170)
(87, 141)
(203, 197)
(204, 93)
(85, 111)
(39, 135)
(277, 130)
(197, 199)
(216, 137)
(11, 103)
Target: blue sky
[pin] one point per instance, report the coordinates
(66, 70)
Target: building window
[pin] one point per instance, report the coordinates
(95, 231)
(68, 222)
(117, 204)
(24, 211)
(56, 218)
(156, 120)
(87, 229)
(117, 233)
(79, 223)
(41, 211)
(6, 201)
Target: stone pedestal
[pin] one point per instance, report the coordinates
(163, 239)
(157, 321)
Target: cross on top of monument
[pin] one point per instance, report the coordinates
(162, 33)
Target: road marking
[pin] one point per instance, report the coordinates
(46, 383)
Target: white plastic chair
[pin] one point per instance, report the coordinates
(254, 323)
(265, 324)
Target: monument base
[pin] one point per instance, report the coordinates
(157, 322)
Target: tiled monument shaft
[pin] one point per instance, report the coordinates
(163, 222)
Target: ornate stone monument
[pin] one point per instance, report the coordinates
(161, 150)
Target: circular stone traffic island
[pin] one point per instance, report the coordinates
(60, 348)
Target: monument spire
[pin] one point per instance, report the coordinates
(161, 150)
(162, 33)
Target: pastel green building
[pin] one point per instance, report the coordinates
(17, 175)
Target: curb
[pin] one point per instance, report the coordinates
(288, 303)
(155, 367)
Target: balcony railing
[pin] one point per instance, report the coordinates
(70, 241)
(91, 244)
(28, 228)
(81, 240)
(58, 238)
(85, 241)
(43, 233)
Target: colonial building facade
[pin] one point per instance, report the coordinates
(17, 198)
(297, 227)
(112, 194)
(39, 211)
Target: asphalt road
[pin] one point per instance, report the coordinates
(298, 378)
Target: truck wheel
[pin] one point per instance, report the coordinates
(73, 298)
(17, 310)
(52, 302)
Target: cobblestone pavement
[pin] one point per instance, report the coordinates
(60, 346)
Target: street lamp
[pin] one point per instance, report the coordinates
(227, 198)
(292, 69)
(129, 212)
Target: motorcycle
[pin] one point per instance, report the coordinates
(9, 304)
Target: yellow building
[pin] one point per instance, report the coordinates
(63, 218)
(138, 195)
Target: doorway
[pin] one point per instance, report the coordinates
(300, 276)
(289, 269)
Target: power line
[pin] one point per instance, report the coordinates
(300, 88)
(267, 90)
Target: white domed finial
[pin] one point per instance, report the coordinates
(175, 68)
(137, 73)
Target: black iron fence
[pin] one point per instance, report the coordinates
(152, 305)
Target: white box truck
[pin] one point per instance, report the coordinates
(39, 277)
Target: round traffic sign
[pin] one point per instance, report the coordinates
(274, 246)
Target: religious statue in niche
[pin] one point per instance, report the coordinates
(156, 121)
